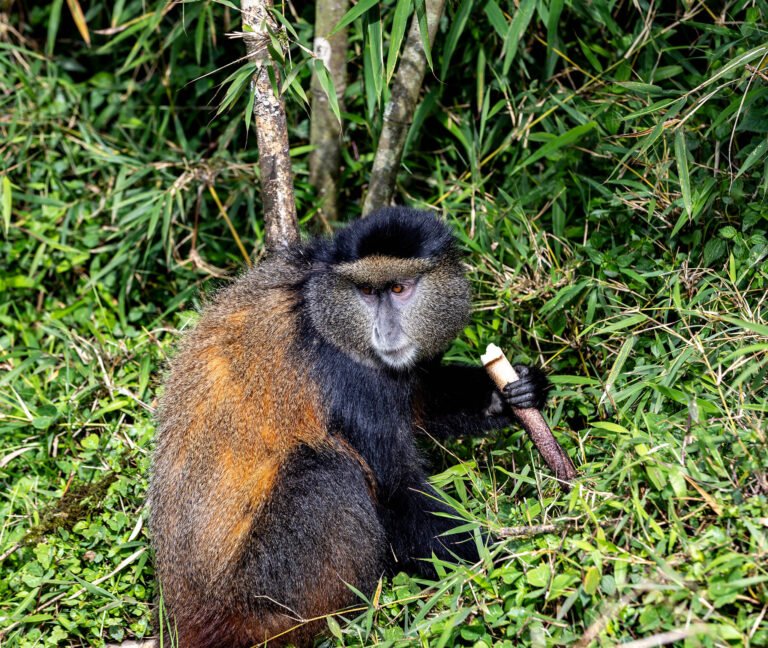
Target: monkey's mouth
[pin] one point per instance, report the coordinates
(399, 357)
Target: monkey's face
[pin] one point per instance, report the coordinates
(388, 307)
(390, 312)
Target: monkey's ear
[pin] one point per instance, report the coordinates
(530, 391)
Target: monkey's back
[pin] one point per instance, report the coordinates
(236, 406)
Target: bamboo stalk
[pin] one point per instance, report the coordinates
(502, 373)
(282, 228)
(325, 133)
(399, 111)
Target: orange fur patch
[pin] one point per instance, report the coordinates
(240, 404)
(242, 489)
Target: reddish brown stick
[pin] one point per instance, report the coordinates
(502, 373)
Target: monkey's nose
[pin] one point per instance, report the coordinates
(385, 338)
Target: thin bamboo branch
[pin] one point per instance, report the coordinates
(519, 532)
(325, 134)
(232, 229)
(399, 111)
(282, 228)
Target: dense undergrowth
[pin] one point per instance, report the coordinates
(604, 164)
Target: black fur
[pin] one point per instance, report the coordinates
(373, 410)
(393, 231)
(379, 411)
(319, 510)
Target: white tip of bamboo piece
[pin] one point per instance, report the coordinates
(492, 352)
(498, 367)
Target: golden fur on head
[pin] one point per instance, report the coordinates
(379, 270)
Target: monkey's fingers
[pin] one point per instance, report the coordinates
(522, 394)
(534, 382)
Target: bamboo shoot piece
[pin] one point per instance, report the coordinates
(502, 373)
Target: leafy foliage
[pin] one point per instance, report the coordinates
(605, 166)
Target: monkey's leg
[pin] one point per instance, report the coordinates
(415, 531)
(318, 532)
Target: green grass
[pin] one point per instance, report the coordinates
(605, 167)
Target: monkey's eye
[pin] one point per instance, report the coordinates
(366, 290)
(397, 288)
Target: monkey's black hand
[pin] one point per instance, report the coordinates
(496, 408)
(530, 391)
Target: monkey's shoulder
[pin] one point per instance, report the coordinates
(236, 364)
(255, 307)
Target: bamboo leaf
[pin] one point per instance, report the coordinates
(238, 82)
(618, 365)
(555, 144)
(590, 55)
(592, 580)
(761, 348)
(496, 18)
(553, 21)
(649, 110)
(374, 45)
(371, 97)
(326, 83)
(354, 13)
(290, 78)
(334, 627)
(6, 199)
(53, 25)
(753, 157)
(760, 329)
(458, 24)
(734, 64)
(249, 111)
(632, 320)
(200, 34)
(117, 12)
(515, 32)
(681, 154)
(79, 17)
(399, 25)
(421, 14)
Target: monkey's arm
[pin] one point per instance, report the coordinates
(418, 523)
(455, 400)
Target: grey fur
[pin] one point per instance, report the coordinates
(438, 312)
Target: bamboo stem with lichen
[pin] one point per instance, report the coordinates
(399, 110)
(325, 129)
(282, 228)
